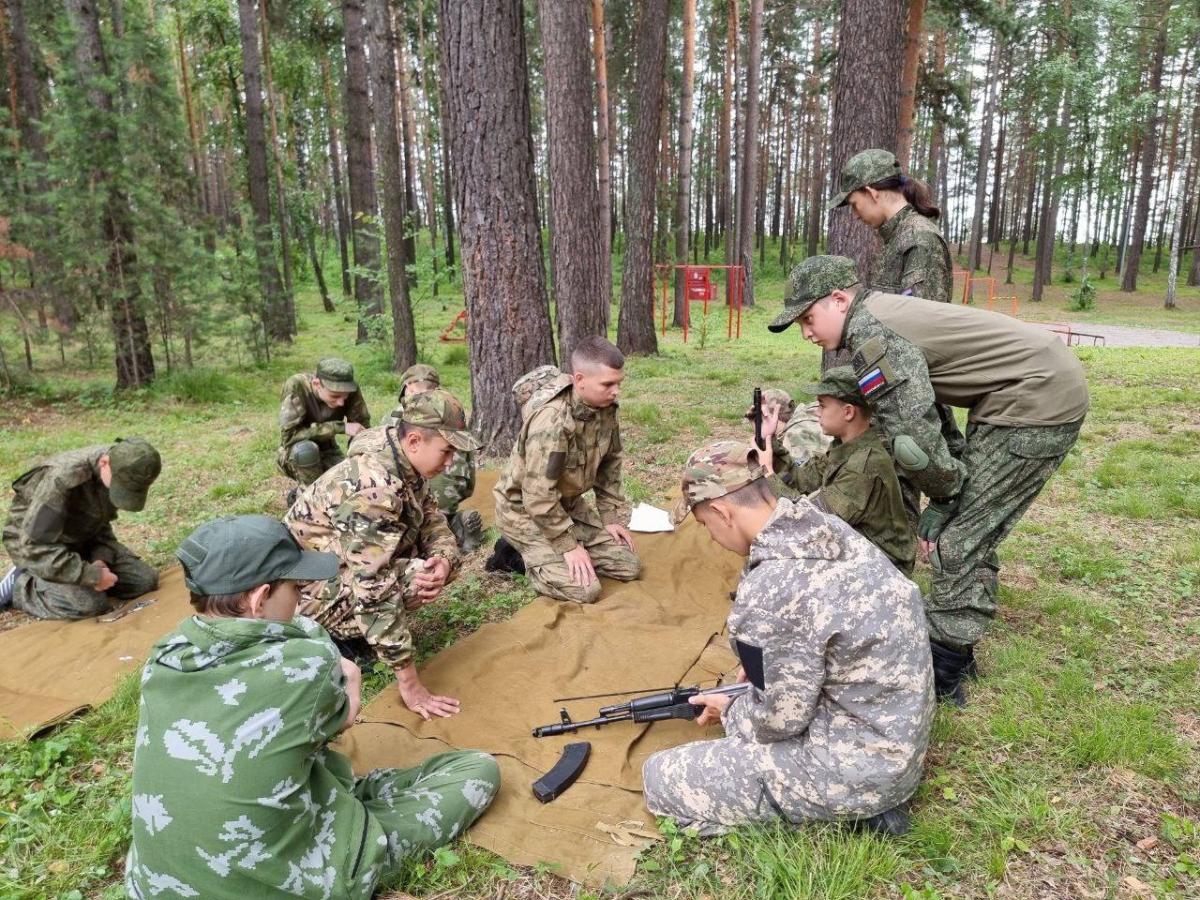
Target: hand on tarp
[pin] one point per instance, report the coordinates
(419, 699)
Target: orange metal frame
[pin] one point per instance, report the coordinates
(968, 293)
(447, 335)
(733, 329)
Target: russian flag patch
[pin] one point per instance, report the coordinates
(872, 382)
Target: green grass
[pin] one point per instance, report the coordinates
(1082, 738)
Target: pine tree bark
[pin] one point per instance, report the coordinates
(256, 176)
(484, 74)
(747, 191)
(404, 122)
(363, 201)
(726, 214)
(383, 83)
(913, 39)
(974, 249)
(335, 168)
(1146, 183)
(865, 100)
(816, 133)
(131, 337)
(635, 324)
(281, 206)
(577, 232)
(683, 192)
(603, 148)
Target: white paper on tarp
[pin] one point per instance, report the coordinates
(647, 518)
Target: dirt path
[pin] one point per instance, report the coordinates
(1130, 336)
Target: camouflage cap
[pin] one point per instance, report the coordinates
(419, 372)
(862, 169)
(531, 382)
(337, 375)
(238, 553)
(715, 470)
(134, 465)
(841, 383)
(812, 280)
(776, 397)
(439, 410)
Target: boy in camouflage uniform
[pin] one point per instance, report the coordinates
(570, 444)
(376, 513)
(457, 483)
(831, 637)
(1027, 397)
(313, 410)
(236, 792)
(855, 479)
(67, 563)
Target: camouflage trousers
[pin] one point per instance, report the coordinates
(547, 573)
(52, 600)
(1008, 467)
(325, 457)
(382, 623)
(428, 805)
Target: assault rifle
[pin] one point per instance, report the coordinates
(671, 703)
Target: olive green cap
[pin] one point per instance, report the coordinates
(715, 470)
(238, 553)
(862, 169)
(419, 372)
(812, 280)
(134, 465)
(841, 383)
(337, 375)
(439, 410)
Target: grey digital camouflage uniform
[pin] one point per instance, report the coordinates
(376, 513)
(839, 727)
(1027, 397)
(236, 792)
(59, 523)
(307, 424)
(564, 450)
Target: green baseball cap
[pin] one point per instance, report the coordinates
(337, 375)
(439, 410)
(134, 465)
(841, 383)
(236, 553)
(862, 169)
(812, 280)
(715, 470)
(419, 372)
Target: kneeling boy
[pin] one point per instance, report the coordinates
(235, 790)
(832, 639)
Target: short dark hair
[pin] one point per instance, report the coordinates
(748, 496)
(403, 428)
(596, 351)
(232, 605)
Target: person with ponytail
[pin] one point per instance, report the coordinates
(914, 259)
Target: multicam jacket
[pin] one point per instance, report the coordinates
(833, 638)
(451, 487)
(914, 259)
(376, 513)
(60, 519)
(235, 791)
(565, 449)
(303, 417)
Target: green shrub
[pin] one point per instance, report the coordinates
(196, 386)
(1085, 297)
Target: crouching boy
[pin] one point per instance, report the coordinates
(832, 639)
(235, 790)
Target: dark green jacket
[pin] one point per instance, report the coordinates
(856, 481)
(914, 260)
(60, 519)
(303, 417)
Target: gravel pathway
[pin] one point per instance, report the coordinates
(1129, 336)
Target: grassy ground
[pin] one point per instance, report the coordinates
(1074, 771)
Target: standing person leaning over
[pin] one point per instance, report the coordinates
(1027, 396)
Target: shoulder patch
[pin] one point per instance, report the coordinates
(868, 354)
(556, 464)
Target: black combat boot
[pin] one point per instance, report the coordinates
(893, 822)
(505, 558)
(950, 667)
(467, 526)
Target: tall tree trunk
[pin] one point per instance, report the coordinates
(363, 202)
(913, 38)
(1133, 256)
(683, 193)
(985, 146)
(131, 336)
(307, 225)
(748, 179)
(281, 208)
(408, 143)
(635, 324)
(383, 78)
(422, 73)
(816, 131)
(865, 100)
(200, 183)
(603, 162)
(577, 232)
(725, 210)
(335, 167)
(447, 182)
(486, 82)
(256, 176)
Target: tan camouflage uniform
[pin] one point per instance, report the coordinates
(376, 513)
(565, 449)
(832, 637)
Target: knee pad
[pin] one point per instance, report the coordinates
(305, 454)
